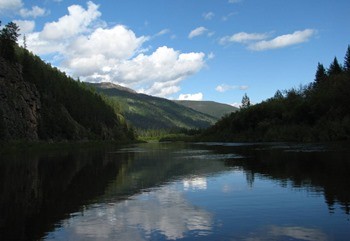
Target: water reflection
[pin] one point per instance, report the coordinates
(195, 183)
(176, 191)
(38, 190)
(288, 233)
(164, 213)
(319, 169)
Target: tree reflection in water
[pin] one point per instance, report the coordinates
(38, 191)
(312, 167)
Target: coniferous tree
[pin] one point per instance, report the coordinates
(321, 74)
(335, 68)
(278, 95)
(245, 101)
(347, 60)
(304, 114)
(8, 39)
(10, 32)
(24, 41)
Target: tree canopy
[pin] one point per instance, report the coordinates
(10, 32)
(245, 101)
(321, 74)
(69, 109)
(335, 68)
(347, 60)
(319, 111)
(8, 39)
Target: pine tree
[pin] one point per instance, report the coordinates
(245, 101)
(335, 68)
(24, 41)
(321, 74)
(8, 39)
(278, 95)
(10, 32)
(347, 60)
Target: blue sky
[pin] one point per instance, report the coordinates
(188, 49)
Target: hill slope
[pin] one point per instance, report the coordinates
(149, 112)
(211, 108)
(319, 111)
(39, 102)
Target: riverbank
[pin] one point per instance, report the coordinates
(34, 146)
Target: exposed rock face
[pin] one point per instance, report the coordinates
(19, 104)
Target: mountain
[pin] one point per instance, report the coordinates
(109, 85)
(149, 112)
(211, 108)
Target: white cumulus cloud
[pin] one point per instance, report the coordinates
(161, 72)
(197, 96)
(6, 5)
(40, 46)
(162, 89)
(262, 41)
(117, 42)
(26, 26)
(34, 12)
(284, 40)
(236, 104)
(95, 52)
(243, 37)
(77, 21)
(223, 87)
(9, 7)
(197, 32)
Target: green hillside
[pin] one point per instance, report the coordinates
(211, 108)
(39, 102)
(319, 111)
(149, 112)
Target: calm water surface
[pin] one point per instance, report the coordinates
(169, 191)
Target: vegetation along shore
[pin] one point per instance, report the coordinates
(41, 103)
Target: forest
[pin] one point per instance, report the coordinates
(69, 109)
(72, 110)
(319, 111)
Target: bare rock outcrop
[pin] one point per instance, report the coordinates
(19, 104)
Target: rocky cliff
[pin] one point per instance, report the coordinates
(19, 104)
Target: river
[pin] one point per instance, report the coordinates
(178, 191)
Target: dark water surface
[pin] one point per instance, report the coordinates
(169, 191)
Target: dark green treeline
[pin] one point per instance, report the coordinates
(69, 109)
(319, 111)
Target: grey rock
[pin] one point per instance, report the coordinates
(19, 104)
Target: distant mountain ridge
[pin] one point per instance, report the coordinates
(211, 108)
(109, 85)
(149, 112)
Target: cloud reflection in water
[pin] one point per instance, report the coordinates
(195, 183)
(163, 211)
(289, 233)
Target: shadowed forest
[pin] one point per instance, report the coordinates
(38, 96)
(319, 111)
(61, 108)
